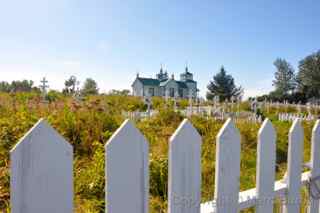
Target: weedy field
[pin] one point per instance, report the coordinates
(88, 124)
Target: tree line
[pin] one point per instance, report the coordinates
(71, 87)
(289, 85)
(18, 86)
(90, 86)
(301, 86)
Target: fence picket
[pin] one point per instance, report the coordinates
(293, 178)
(185, 170)
(266, 157)
(227, 169)
(41, 172)
(315, 163)
(127, 171)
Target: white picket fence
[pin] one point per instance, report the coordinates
(293, 116)
(136, 115)
(42, 171)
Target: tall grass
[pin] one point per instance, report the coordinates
(89, 124)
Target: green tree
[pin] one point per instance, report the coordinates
(285, 81)
(5, 86)
(223, 86)
(309, 75)
(70, 85)
(90, 87)
(18, 86)
(22, 86)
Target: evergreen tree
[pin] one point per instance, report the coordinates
(223, 86)
(90, 87)
(285, 81)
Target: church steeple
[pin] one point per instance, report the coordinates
(161, 75)
(185, 76)
(187, 69)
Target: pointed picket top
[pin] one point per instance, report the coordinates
(185, 130)
(127, 171)
(42, 166)
(296, 131)
(315, 163)
(295, 158)
(39, 129)
(126, 127)
(184, 180)
(227, 131)
(227, 169)
(267, 129)
(266, 157)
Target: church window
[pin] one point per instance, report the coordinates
(171, 92)
(151, 91)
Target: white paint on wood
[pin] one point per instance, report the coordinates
(42, 172)
(266, 157)
(247, 198)
(185, 170)
(315, 163)
(295, 151)
(227, 169)
(127, 171)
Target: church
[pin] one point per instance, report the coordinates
(164, 86)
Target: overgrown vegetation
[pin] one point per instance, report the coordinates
(89, 124)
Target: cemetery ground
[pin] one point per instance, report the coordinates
(89, 123)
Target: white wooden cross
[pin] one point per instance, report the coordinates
(44, 87)
(190, 102)
(232, 99)
(239, 102)
(254, 105)
(167, 94)
(175, 103)
(77, 94)
(216, 100)
(149, 103)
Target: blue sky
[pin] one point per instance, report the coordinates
(111, 40)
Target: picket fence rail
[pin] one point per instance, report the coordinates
(42, 171)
